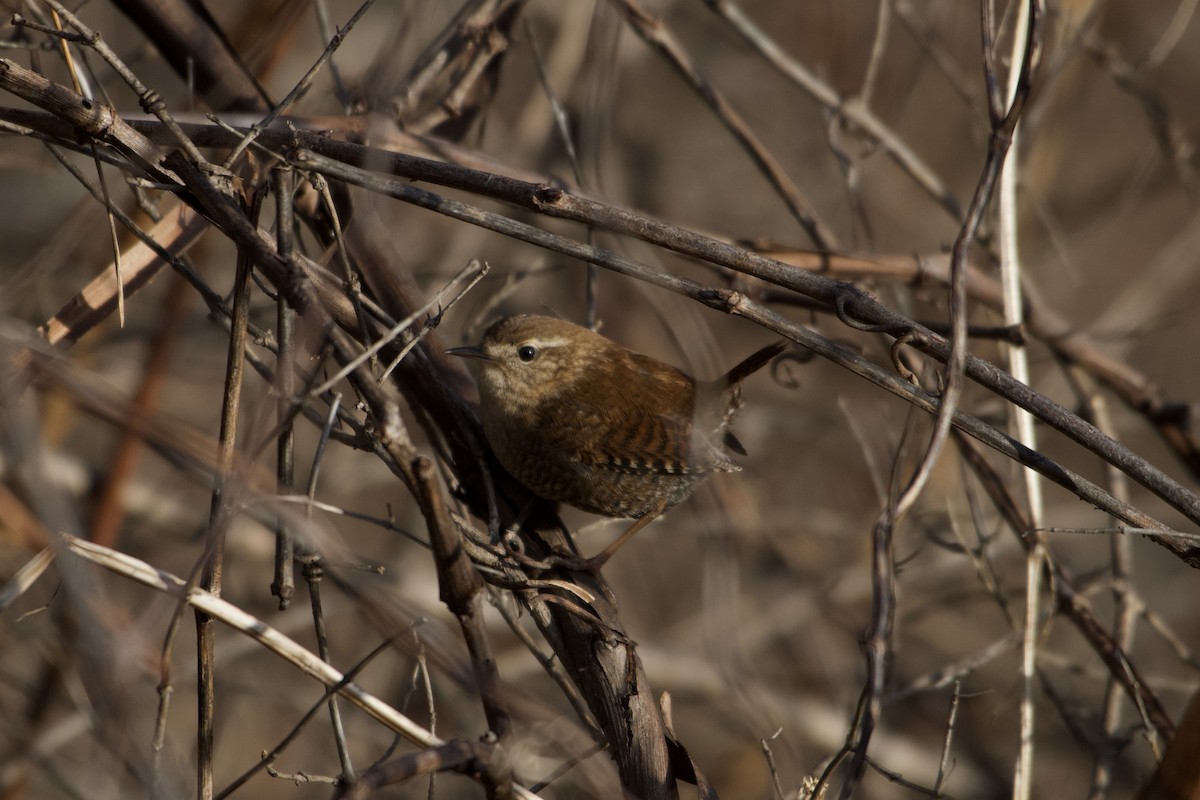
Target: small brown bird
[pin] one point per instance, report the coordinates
(581, 420)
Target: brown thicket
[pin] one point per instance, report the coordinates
(252, 537)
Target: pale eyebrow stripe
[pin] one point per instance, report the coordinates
(556, 342)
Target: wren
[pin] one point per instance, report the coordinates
(581, 420)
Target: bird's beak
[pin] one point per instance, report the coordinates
(470, 351)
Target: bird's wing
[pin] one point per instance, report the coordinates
(646, 426)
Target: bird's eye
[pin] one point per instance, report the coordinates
(527, 353)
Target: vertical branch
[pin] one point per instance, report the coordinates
(210, 578)
(883, 26)
(313, 574)
(1018, 361)
(1125, 616)
(1010, 273)
(951, 718)
(284, 585)
(877, 644)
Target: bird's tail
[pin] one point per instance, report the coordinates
(753, 363)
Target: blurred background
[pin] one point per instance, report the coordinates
(748, 602)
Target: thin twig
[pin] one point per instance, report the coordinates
(856, 110)
(324, 28)
(302, 86)
(883, 26)
(1071, 603)
(150, 100)
(472, 272)
(655, 33)
(1125, 613)
(770, 757)
(944, 763)
(269, 756)
(562, 125)
(312, 577)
